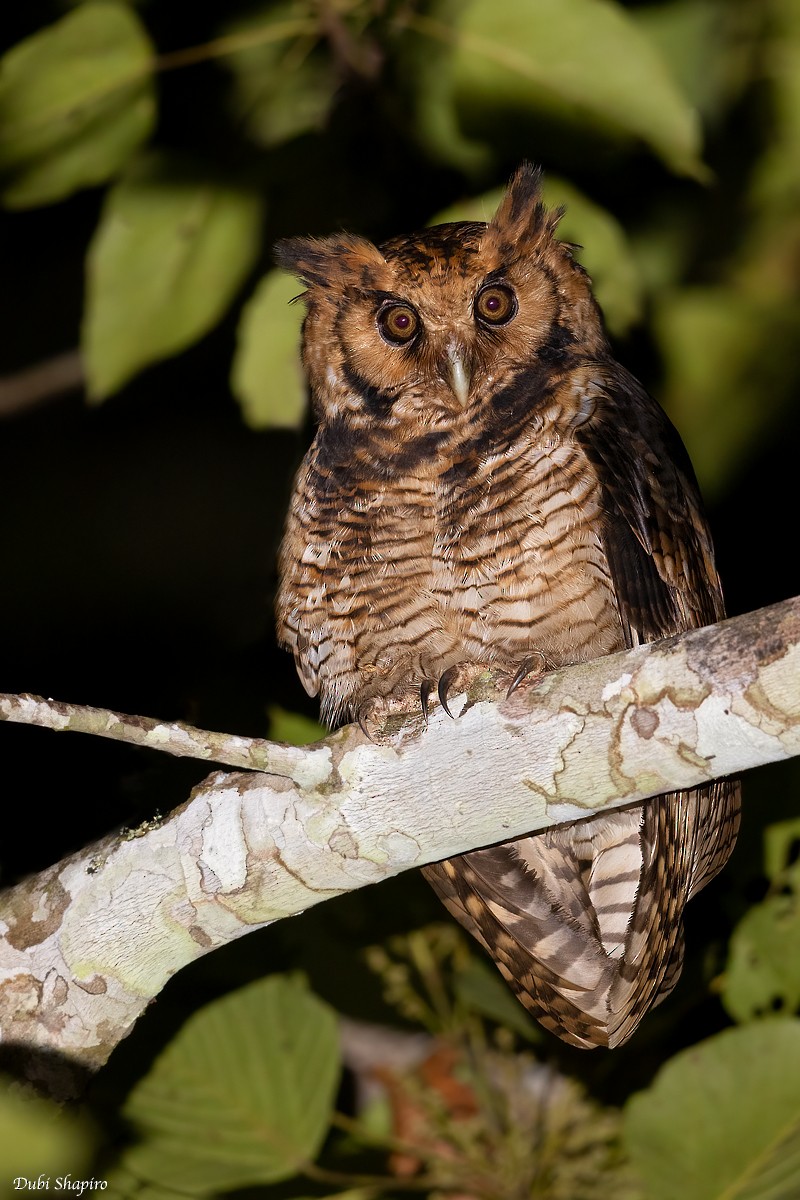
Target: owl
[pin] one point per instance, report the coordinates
(489, 488)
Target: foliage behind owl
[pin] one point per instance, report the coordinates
(488, 487)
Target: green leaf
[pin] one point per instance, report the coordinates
(76, 100)
(777, 172)
(763, 971)
(722, 1120)
(781, 839)
(38, 1138)
(267, 377)
(350, 1194)
(122, 1185)
(243, 1094)
(586, 59)
(708, 45)
(606, 252)
(424, 99)
(292, 727)
(171, 250)
(722, 387)
(480, 988)
(284, 83)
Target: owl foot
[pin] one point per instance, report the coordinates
(382, 718)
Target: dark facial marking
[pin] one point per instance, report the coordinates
(413, 453)
(377, 402)
(558, 345)
(334, 447)
(511, 406)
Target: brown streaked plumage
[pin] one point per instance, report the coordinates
(488, 487)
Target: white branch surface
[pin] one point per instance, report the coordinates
(88, 943)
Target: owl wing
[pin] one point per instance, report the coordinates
(656, 538)
(661, 558)
(585, 920)
(327, 540)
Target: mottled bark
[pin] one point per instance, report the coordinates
(89, 942)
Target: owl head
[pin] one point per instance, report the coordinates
(434, 324)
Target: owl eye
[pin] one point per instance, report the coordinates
(495, 304)
(398, 324)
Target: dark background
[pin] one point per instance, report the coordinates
(138, 538)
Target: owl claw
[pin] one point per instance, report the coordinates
(524, 670)
(361, 716)
(425, 689)
(444, 687)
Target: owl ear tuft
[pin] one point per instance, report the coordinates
(336, 262)
(308, 258)
(522, 220)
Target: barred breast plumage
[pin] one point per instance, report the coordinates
(488, 487)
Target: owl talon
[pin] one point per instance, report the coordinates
(524, 670)
(445, 683)
(425, 689)
(362, 716)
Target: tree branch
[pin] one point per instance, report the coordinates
(89, 942)
(41, 383)
(178, 738)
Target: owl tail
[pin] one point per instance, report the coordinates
(584, 921)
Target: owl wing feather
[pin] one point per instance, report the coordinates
(656, 537)
(585, 921)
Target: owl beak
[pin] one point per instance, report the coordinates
(459, 373)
